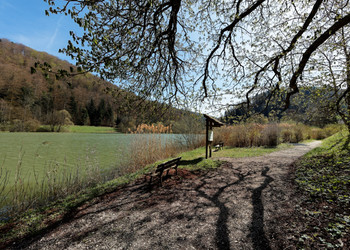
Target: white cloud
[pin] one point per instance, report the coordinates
(5, 5)
(54, 35)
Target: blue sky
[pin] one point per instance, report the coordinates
(25, 22)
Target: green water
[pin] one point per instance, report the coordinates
(40, 151)
(38, 166)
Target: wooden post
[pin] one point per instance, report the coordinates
(209, 125)
(211, 129)
(206, 139)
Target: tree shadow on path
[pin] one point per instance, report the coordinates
(207, 211)
(257, 232)
(222, 233)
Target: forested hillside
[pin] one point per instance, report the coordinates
(311, 106)
(28, 100)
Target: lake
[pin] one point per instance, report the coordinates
(38, 152)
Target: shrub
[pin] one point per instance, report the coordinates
(31, 125)
(16, 126)
(248, 135)
(24, 126)
(158, 128)
(318, 134)
(239, 136)
(5, 126)
(222, 134)
(270, 135)
(255, 135)
(149, 148)
(287, 135)
(298, 134)
(332, 129)
(43, 129)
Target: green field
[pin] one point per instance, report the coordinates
(90, 129)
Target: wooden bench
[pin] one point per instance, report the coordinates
(165, 166)
(219, 146)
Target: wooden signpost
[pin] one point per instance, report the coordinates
(210, 123)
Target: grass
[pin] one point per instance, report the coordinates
(249, 152)
(323, 176)
(195, 159)
(34, 221)
(90, 129)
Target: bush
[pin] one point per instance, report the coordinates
(248, 135)
(222, 134)
(298, 134)
(16, 126)
(332, 129)
(43, 129)
(24, 126)
(149, 148)
(31, 125)
(255, 135)
(271, 135)
(5, 126)
(318, 134)
(287, 135)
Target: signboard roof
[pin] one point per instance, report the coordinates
(215, 122)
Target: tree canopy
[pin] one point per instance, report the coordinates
(209, 49)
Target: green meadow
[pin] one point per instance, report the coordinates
(90, 129)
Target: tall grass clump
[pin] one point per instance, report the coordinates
(270, 135)
(33, 189)
(248, 135)
(154, 142)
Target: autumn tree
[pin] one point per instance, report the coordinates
(58, 119)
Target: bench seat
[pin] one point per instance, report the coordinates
(161, 168)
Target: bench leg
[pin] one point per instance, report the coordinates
(161, 178)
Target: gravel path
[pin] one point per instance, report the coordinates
(233, 207)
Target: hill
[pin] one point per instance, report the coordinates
(28, 100)
(311, 106)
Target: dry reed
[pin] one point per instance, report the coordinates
(270, 135)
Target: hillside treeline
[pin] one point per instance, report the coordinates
(28, 100)
(311, 106)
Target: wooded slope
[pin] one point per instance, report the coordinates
(89, 100)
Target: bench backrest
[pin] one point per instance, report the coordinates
(168, 164)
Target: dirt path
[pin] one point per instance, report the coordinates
(234, 207)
